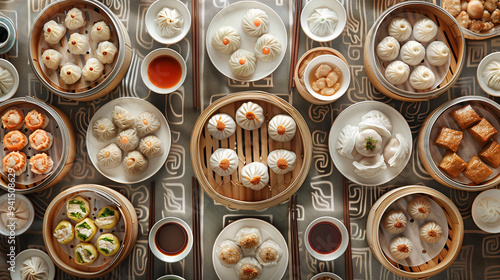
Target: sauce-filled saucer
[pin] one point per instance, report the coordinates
(170, 239)
(326, 238)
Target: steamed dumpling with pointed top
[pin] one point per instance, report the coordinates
(250, 116)
(151, 146)
(424, 30)
(103, 129)
(75, 19)
(438, 53)
(100, 32)
(488, 210)
(255, 22)
(169, 22)
(419, 208)
(51, 59)
(109, 156)
(369, 167)
(224, 162)
(53, 32)
(431, 232)
(400, 247)
(147, 123)
(281, 161)
(400, 29)
(397, 72)
(135, 163)
(78, 43)
(122, 118)
(226, 39)
(322, 22)
(127, 140)
(369, 143)
(395, 221)
(221, 126)
(34, 268)
(422, 78)
(412, 53)
(70, 73)
(388, 48)
(267, 48)
(377, 121)
(106, 52)
(397, 150)
(347, 141)
(92, 70)
(282, 128)
(242, 63)
(254, 176)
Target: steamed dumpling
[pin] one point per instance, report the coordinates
(400, 248)
(92, 70)
(255, 22)
(254, 176)
(103, 129)
(250, 116)
(224, 162)
(269, 253)
(147, 123)
(51, 59)
(53, 32)
(74, 19)
(100, 32)
(400, 29)
(151, 146)
(419, 208)
(221, 126)
(397, 150)
(106, 52)
(431, 232)
(377, 121)
(438, 53)
(70, 73)
(424, 30)
(248, 238)
(6, 81)
(248, 268)
(226, 39)
(135, 163)
(78, 43)
(281, 161)
(127, 140)
(397, 72)
(322, 22)
(488, 210)
(229, 252)
(267, 48)
(41, 164)
(491, 75)
(282, 128)
(368, 143)
(122, 118)
(109, 156)
(369, 167)
(242, 63)
(347, 141)
(395, 222)
(388, 48)
(422, 78)
(169, 22)
(34, 268)
(412, 53)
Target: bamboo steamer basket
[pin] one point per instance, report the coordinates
(254, 144)
(67, 145)
(454, 39)
(82, 90)
(424, 142)
(446, 256)
(300, 70)
(67, 263)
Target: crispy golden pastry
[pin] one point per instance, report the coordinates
(452, 164)
(482, 132)
(465, 117)
(449, 139)
(491, 154)
(477, 170)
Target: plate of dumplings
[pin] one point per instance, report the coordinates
(128, 140)
(246, 41)
(370, 143)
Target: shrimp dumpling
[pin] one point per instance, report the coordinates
(78, 43)
(388, 49)
(92, 70)
(431, 232)
(377, 121)
(397, 72)
(70, 73)
(151, 146)
(51, 59)
(400, 29)
(419, 208)
(53, 32)
(267, 48)
(254, 176)
(269, 253)
(397, 150)
(100, 32)
(422, 78)
(229, 253)
(368, 143)
(224, 161)
(346, 142)
(106, 52)
(281, 161)
(122, 118)
(369, 167)
(250, 116)
(221, 126)
(248, 238)
(400, 247)
(75, 19)
(135, 163)
(41, 164)
(255, 22)
(226, 39)
(127, 140)
(242, 63)
(147, 123)
(103, 129)
(412, 53)
(282, 128)
(395, 221)
(109, 156)
(248, 268)
(424, 30)
(169, 22)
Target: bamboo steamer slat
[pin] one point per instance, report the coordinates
(453, 243)
(250, 146)
(67, 263)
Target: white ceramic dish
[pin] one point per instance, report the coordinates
(163, 257)
(170, 277)
(343, 245)
(232, 15)
(487, 227)
(267, 231)
(153, 29)
(326, 274)
(16, 274)
(15, 75)
(154, 54)
(482, 83)
(135, 106)
(4, 200)
(333, 5)
(332, 61)
(352, 116)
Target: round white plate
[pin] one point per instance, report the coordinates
(480, 68)
(135, 106)
(267, 231)
(352, 116)
(326, 274)
(487, 227)
(16, 275)
(232, 15)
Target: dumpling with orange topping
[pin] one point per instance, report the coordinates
(226, 39)
(151, 146)
(103, 129)
(250, 116)
(146, 123)
(15, 140)
(51, 58)
(13, 119)
(224, 162)
(281, 161)
(242, 63)
(122, 118)
(127, 140)
(254, 176)
(282, 128)
(267, 48)
(41, 140)
(109, 156)
(36, 119)
(41, 163)
(255, 22)
(221, 126)
(16, 161)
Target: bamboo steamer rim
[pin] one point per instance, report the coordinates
(385, 201)
(251, 96)
(129, 239)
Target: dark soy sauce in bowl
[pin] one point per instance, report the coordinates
(171, 239)
(4, 34)
(325, 238)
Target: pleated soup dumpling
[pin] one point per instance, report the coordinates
(346, 142)
(282, 128)
(281, 161)
(100, 32)
(78, 43)
(488, 210)
(127, 140)
(226, 39)
(400, 247)
(6, 81)
(322, 22)
(146, 123)
(122, 118)
(255, 22)
(254, 176)
(36, 119)
(107, 244)
(51, 58)
(221, 126)
(269, 253)
(400, 29)
(85, 230)
(64, 232)
(92, 69)
(412, 53)
(75, 19)
(34, 268)
(109, 156)
(77, 208)
(106, 52)
(395, 221)
(377, 121)
(267, 48)
(248, 238)
(419, 208)
(369, 143)
(430, 232)
(242, 63)
(397, 72)
(250, 116)
(151, 146)
(388, 49)
(491, 75)
(422, 78)
(224, 161)
(135, 163)
(107, 217)
(438, 53)
(169, 22)
(16, 161)
(85, 253)
(229, 253)
(369, 167)
(15, 140)
(248, 268)
(53, 32)
(70, 73)
(41, 164)
(13, 119)
(41, 140)
(396, 151)
(424, 30)
(103, 129)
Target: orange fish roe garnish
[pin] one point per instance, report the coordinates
(220, 125)
(266, 50)
(282, 163)
(256, 22)
(281, 130)
(242, 60)
(225, 41)
(422, 210)
(124, 140)
(145, 122)
(251, 116)
(48, 29)
(68, 73)
(73, 42)
(224, 164)
(98, 28)
(255, 180)
(403, 248)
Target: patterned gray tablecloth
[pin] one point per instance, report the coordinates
(320, 195)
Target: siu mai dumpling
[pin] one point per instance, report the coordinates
(281, 161)
(107, 217)
(51, 59)
(397, 151)
(109, 156)
(248, 238)
(135, 163)
(250, 116)
(85, 230)
(41, 164)
(419, 208)
(106, 52)
(242, 63)
(369, 167)
(369, 143)
(282, 128)
(103, 129)
(431, 232)
(75, 19)
(147, 123)
(122, 118)
(254, 176)
(221, 126)
(255, 22)
(346, 142)
(36, 119)
(269, 253)
(107, 244)
(127, 140)
(64, 232)
(16, 161)
(92, 70)
(226, 39)
(229, 253)
(100, 32)
(85, 254)
(377, 121)
(53, 32)
(395, 221)
(13, 118)
(41, 140)
(151, 146)
(77, 208)
(15, 140)
(70, 73)
(400, 247)
(248, 268)
(78, 43)
(224, 162)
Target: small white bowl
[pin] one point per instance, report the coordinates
(170, 277)
(343, 245)
(482, 83)
(487, 227)
(332, 61)
(154, 54)
(333, 5)
(326, 274)
(28, 253)
(160, 255)
(3, 202)
(152, 28)
(8, 66)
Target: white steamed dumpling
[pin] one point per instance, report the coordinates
(281, 161)
(488, 210)
(106, 52)
(419, 208)
(122, 118)
(224, 161)
(92, 69)
(347, 141)
(269, 253)
(51, 59)
(322, 21)
(491, 75)
(254, 176)
(6, 81)
(400, 247)
(422, 78)
(438, 53)
(109, 156)
(369, 167)
(424, 30)
(400, 29)
(78, 43)
(282, 128)
(151, 146)
(34, 268)
(250, 116)
(396, 151)
(267, 48)
(388, 48)
(221, 126)
(412, 53)
(103, 129)
(377, 121)
(395, 222)
(397, 72)
(53, 32)
(74, 19)
(169, 22)
(248, 268)
(368, 143)
(255, 22)
(431, 232)
(135, 163)
(100, 32)
(226, 39)
(147, 123)
(70, 73)
(242, 63)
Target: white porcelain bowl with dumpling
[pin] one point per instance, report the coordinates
(486, 211)
(168, 34)
(24, 214)
(312, 22)
(9, 81)
(332, 61)
(45, 266)
(488, 74)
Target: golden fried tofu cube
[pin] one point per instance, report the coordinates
(452, 164)
(465, 117)
(449, 139)
(477, 170)
(491, 154)
(483, 132)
